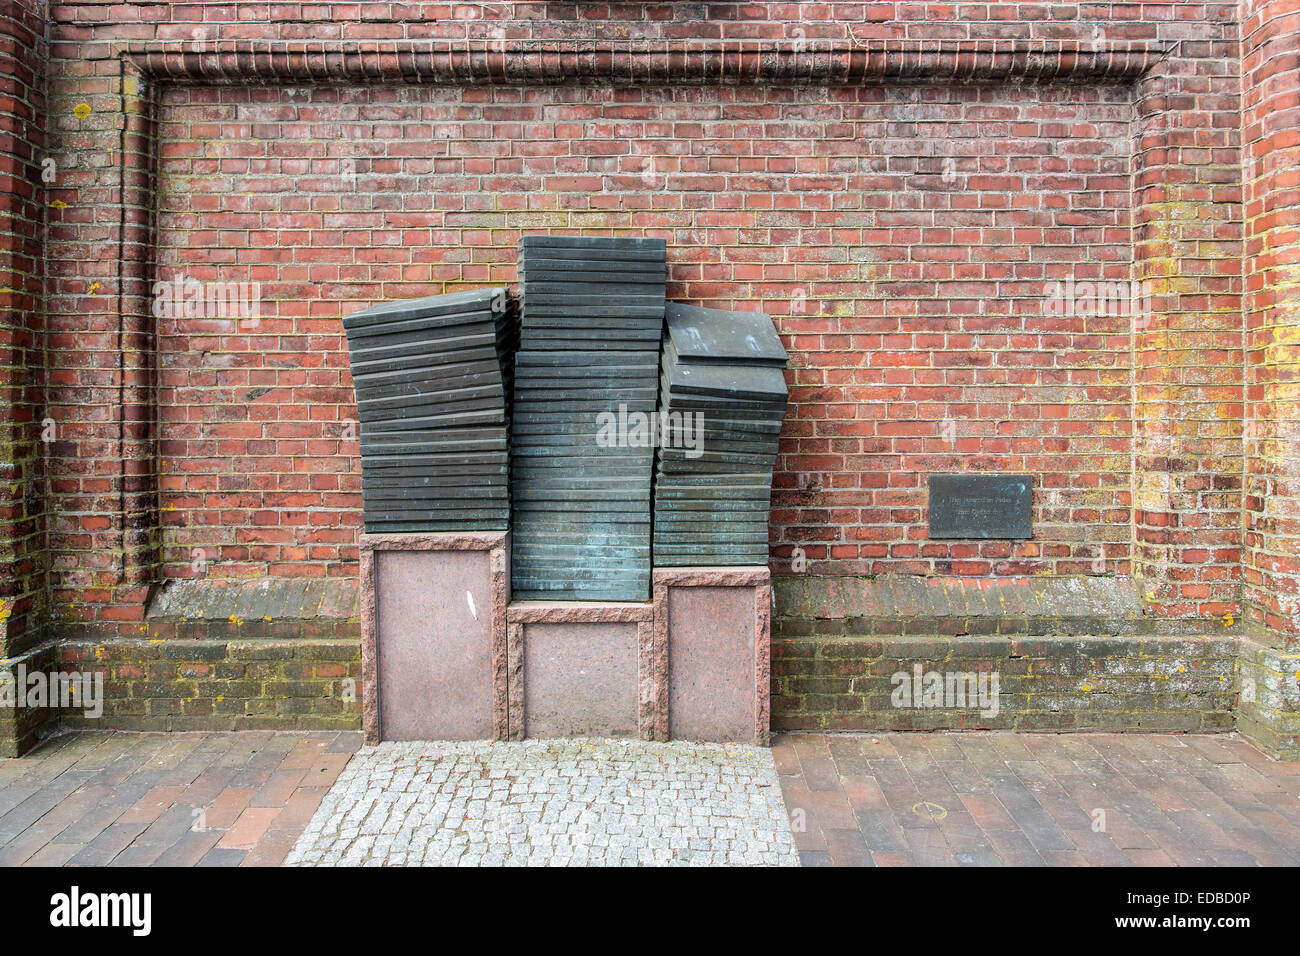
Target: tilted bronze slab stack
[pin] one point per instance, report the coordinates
(432, 380)
(721, 404)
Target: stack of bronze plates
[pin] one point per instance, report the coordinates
(432, 379)
(591, 315)
(722, 400)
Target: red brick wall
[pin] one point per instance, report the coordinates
(1271, 167)
(912, 299)
(22, 199)
(1188, 346)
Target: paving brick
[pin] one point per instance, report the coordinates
(278, 788)
(251, 825)
(111, 841)
(226, 807)
(223, 856)
(151, 806)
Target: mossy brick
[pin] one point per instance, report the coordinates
(137, 722)
(1160, 722)
(117, 689)
(261, 650)
(157, 689)
(162, 629)
(194, 650)
(297, 670)
(787, 648)
(340, 722)
(294, 688)
(796, 723)
(263, 722)
(293, 706)
(791, 594)
(851, 650)
(981, 647)
(925, 626)
(78, 652)
(1030, 720)
(857, 626)
(328, 651)
(240, 689)
(917, 648)
(332, 707)
(813, 685)
(819, 702)
(850, 668)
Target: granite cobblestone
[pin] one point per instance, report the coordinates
(556, 802)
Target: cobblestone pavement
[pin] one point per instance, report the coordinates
(991, 799)
(552, 802)
(180, 799)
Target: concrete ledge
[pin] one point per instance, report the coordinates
(297, 599)
(265, 609)
(894, 605)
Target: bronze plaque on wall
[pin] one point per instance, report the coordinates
(981, 506)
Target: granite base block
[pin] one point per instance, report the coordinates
(433, 636)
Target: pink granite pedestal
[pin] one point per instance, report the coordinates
(446, 656)
(433, 636)
(584, 669)
(714, 624)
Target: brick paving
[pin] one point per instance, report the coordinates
(976, 799)
(166, 799)
(999, 799)
(552, 802)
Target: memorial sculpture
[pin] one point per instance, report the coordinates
(567, 538)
